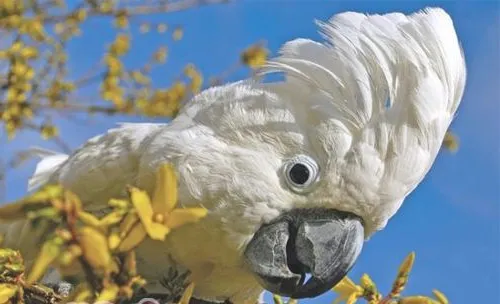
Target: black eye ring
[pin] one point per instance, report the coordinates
(301, 173)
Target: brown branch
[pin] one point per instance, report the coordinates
(171, 6)
(56, 139)
(61, 144)
(144, 9)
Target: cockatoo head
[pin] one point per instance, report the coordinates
(298, 173)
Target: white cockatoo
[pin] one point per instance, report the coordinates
(295, 174)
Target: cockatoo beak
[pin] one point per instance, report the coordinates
(324, 243)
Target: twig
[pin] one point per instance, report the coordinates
(171, 6)
(146, 9)
(61, 144)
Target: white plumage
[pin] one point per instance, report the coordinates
(371, 105)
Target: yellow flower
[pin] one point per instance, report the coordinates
(440, 297)
(49, 252)
(109, 293)
(111, 218)
(158, 216)
(82, 293)
(177, 34)
(80, 15)
(36, 201)
(69, 255)
(115, 68)
(16, 47)
(94, 247)
(370, 291)
(29, 52)
(36, 29)
(254, 56)
(195, 76)
(139, 77)
(347, 291)
(160, 56)
(402, 277)
(367, 282)
(121, 20)
(145, 211)
(186, 296)
(451, 142)
(7, 291)
(48, 131)
(121, 45)
(12, 21)
(59, 28)
(161, 28)
(277, 299)
(416, 300)
(11, 128)
(106, 6)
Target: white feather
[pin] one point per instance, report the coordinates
(46, 167)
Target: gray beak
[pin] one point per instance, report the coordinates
(324, 243)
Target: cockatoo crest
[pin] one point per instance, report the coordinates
(377, 99)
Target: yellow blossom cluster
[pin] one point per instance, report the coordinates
(167, 102)
(121, 19)
(451, 141)
(110, 87)
(70, 27)
(350, 293)
(102, 248)
(18, 85)
(254, 56)
(35, 79)
(13, 16)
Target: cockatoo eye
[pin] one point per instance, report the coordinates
(301, 173)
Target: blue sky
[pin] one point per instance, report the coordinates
(451, 220)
